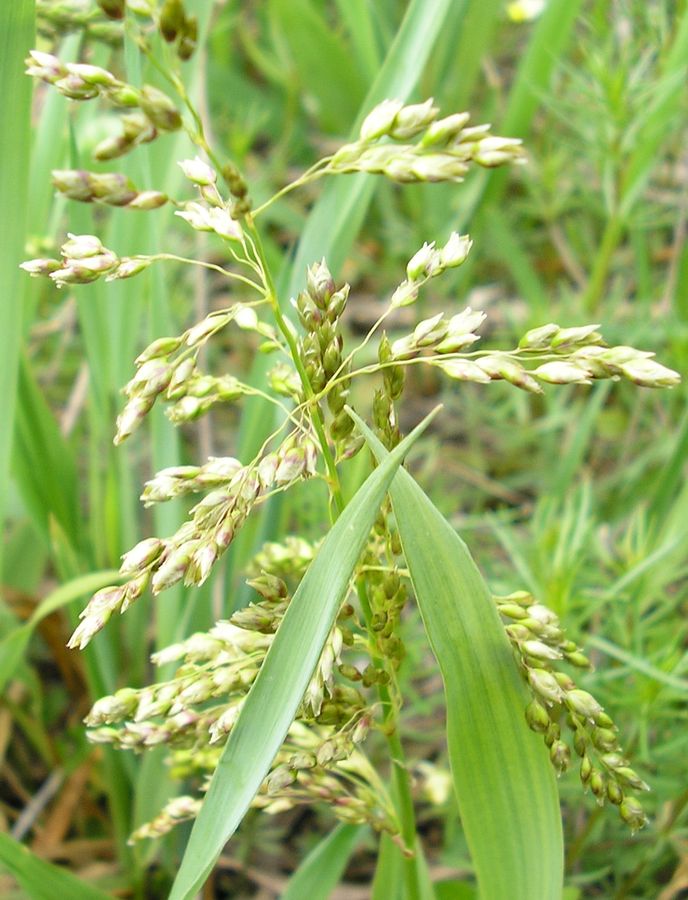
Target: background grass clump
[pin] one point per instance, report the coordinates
(577, 495)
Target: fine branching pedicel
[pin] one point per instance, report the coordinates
(354, 688)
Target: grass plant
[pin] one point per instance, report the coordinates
(280, 240)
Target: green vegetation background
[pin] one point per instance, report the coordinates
(578, 496)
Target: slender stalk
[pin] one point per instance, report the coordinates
(603, 260)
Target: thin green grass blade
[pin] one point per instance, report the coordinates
(40, 879)
(638, 664)
(321, 61)
(321, 871)
(16, 39)
(357, 16)
(564, 472)
(43, 462)
(665, 109)
(504, 783)
(13, 645)
(546, 46)
(273, 701)
(388, 882)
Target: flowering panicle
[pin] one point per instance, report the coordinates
(539, 643)
(442, 151)
(193, 712)
(441, 335)
(319, 308)
(190, 553)
(384, 412)
(288, 560)
(545, 355)
(155, 112)
(55, 18)
(387, 595)
(167, 369)
(211, 213)
(178, 28)
(428, 263)
(110, 188)
(85, 259)
(587, 356)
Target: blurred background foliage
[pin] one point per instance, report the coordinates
(578, 496)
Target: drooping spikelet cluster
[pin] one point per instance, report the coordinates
(194, 712)
(110, 188)
(154, 112)
(559, 707)
(443, 149)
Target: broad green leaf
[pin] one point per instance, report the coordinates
(320, 872)
(12, 645)
(504, 783)
(16, 39)
(42, 880)
(274, 699)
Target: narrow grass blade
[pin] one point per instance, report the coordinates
(665, 108)
(43, 462)
(12, 645)
(40, 879)
(388, 882)
(321, 60)
(16, 39)
(357, 16)
(274, 699)
(504, 783)
(547, 44)
(320, 872)
(637, 664)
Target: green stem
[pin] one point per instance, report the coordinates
(400, 775)
(600, 271)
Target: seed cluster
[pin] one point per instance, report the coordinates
(167, 369)
(443, 152)
(319, 308)
(85, 259)
(192, 551)
(110, 188)
(193, 712)
(384, 413)
(539, 642)
(211, 213)
(545, 355)
(155, 112)
(55, 18)
(178, 28)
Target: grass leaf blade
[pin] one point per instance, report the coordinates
(504, 783)
(320, 872)
(16, 39)
(42, 880)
